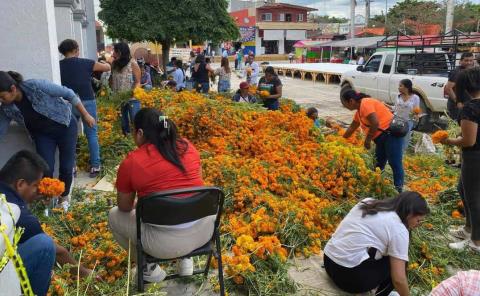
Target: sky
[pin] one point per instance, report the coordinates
(341, 8)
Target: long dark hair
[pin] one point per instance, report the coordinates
(404, 204)
(408, 85)
(225, 65)
(162, 133)
(468, 83)
(124, 51)
(352, 95)
(7, 79)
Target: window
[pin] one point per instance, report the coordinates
(300, 17)
(423, 63)
(281, 17)
(373, 64)
(387, 65)
(267, 17)
(288, 17)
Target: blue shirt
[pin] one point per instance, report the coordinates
(77, 74)
(27, 220)
(49, 99)
(179, 78)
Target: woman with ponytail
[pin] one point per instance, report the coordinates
(374, 118)
(369, 249)
(162, 161)
(45, 109)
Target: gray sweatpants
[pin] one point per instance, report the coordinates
(157, 241)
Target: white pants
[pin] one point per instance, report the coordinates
(162, 242)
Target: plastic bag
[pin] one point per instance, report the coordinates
(425, 145)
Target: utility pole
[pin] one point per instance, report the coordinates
(386, 12)
(367, 12)
(449, 20)
(352, 24)
(352, 18)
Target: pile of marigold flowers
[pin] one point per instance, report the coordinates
(284, 183)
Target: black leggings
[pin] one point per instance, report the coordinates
(370, 274)
(471, 190)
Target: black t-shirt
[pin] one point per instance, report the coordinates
(201, 75)
(270, 86)
(26, 220)
(471, 112)
(77, 74)
(453, 75)
(36, 122)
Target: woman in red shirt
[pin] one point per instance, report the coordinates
(162, 161)
(374, 118)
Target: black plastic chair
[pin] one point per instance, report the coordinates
(162, 208)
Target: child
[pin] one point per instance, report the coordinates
(146, 80)
(172, 85)
(242, 95)
(312, 113)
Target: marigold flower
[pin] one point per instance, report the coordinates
(50, 187)
(439, 136)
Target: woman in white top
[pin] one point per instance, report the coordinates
(369, 249)
(224, 73)
(405, 105)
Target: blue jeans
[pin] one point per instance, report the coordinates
(408, 136)
(223, 86)
(129, 110)
(91, 132)
(203, 87)
(272, 104)
(38, 256)
(389, 148)
(65, 140)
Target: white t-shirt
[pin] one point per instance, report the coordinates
(255, 72)
(384, 231)
(405, 109)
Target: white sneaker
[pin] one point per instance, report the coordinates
(153, 273)
(461, 245)
(185, 267)
(474, 247)
(460, 233)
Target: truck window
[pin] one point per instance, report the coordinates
(424, 63)
(373, 64)
(387, 65)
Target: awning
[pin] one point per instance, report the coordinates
(273, 35)
(366, 42)
(296, 34)
(310, 44)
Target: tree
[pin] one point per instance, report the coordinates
(325, 19)
(168, 21)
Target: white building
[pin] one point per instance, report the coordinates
(31, 32)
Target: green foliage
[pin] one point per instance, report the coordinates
(167, 21)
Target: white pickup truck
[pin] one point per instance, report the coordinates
(380, 77)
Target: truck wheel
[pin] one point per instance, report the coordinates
(345, 87)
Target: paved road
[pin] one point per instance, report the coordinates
(324, 97)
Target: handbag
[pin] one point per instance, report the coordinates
(398, 127)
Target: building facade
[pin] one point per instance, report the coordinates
(276, 27)
(31, 32)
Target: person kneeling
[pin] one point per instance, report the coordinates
(162, 161)
(19, 180)
(369, 249)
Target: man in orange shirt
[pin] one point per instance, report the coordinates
(374, 118)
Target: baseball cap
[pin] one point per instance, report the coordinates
(243, 85)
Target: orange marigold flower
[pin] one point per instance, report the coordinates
(456, 214)
(439, 136)
(50, 187)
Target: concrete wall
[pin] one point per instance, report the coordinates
(29, 40)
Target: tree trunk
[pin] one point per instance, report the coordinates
(165, 57)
